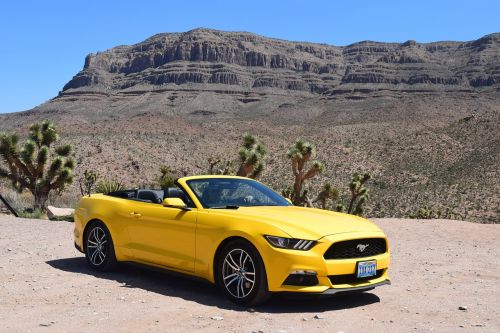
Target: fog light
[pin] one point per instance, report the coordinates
(302, 278)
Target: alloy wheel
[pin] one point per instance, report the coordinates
(238, 273)
(96, 245)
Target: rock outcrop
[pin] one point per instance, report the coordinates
(209, 59)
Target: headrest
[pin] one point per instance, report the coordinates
(148, 195)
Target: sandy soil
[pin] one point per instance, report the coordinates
(437, 267)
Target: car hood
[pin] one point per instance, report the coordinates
(305, 223)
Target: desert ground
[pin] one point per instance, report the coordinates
(438, 267)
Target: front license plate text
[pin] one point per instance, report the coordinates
(367, 269)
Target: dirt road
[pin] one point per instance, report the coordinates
(437, 267)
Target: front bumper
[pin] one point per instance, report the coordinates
(333, 291)
(280, 263)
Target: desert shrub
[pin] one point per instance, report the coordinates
(424, 212)
(108, 186)
(427, 212)
(167, 178)
(31, 213)
(37, 166)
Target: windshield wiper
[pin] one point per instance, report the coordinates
(267, 205)
(225, 207)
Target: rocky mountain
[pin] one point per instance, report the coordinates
(423, 119)
(245, 62)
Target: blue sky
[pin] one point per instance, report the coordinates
(43, 43)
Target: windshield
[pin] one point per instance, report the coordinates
(233, 193)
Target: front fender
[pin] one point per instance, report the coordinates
(214, 228)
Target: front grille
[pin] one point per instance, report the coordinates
(352, 278)
(356, 248)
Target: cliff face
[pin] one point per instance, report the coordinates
(211, 59)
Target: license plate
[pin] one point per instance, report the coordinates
(367, 269)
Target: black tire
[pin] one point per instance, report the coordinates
(99, 248)
(237, 261)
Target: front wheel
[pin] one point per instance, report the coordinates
(99, 249)
(241, 274)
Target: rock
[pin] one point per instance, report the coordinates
(462, 307)
(319, 316)
(217, 318)
(229, 59)
(59, 213)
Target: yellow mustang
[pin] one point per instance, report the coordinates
(234, 232)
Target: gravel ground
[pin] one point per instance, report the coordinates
(437, 267)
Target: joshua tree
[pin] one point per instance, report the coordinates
(251, 157)
(212, 161)
(300, 155)
(359, 193)
(328, 192)
(87, 182)
(29, 167)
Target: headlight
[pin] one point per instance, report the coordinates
(290, 243)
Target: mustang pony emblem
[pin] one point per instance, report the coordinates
(362, 247)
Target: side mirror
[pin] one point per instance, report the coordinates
(289, 201)
(175, 203)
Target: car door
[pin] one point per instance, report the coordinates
(162, 235)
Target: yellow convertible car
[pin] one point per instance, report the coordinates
(234, 232)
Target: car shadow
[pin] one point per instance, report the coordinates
(176, 285)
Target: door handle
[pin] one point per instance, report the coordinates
(135, 214)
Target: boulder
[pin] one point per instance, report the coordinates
(54, 213)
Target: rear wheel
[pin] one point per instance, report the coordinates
(99, 249)
(241, 274)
